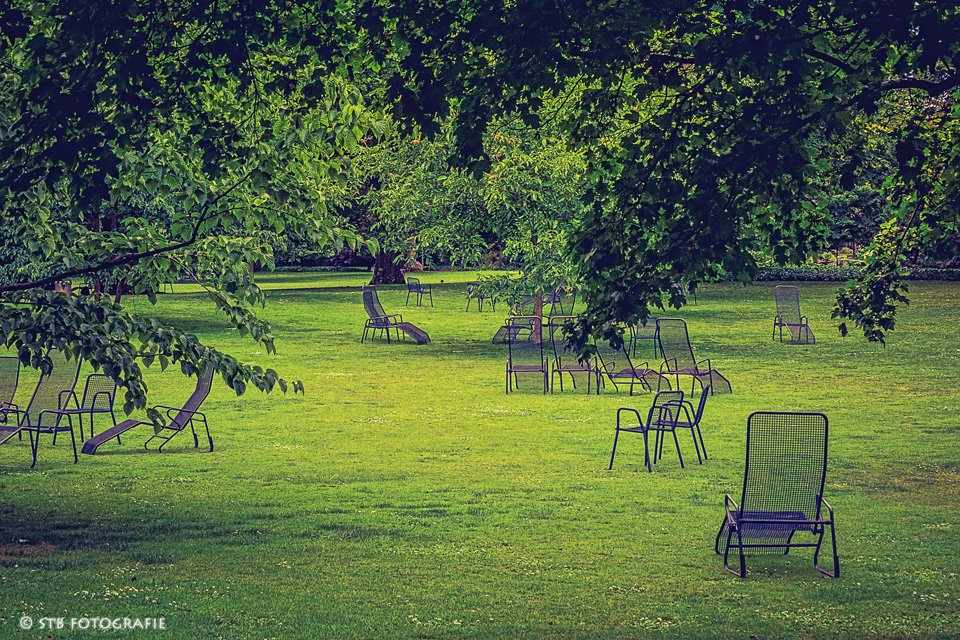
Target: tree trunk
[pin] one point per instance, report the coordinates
(386, 270)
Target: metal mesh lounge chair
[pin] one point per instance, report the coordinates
(9, 379)
(640, 332)
(678, 359)
(788, 315)
(378, 320)
(663, 411)
(616, 365)
(418, 290)
(53, 393)
(525, 339)
(565, 359)
(782, 496)
(179, 418)
(182, 417)
(473, 293)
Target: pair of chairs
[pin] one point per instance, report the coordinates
(668, 413)
(53, 404)
(418, 290)
(781, 504)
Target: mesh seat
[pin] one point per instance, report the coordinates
(378, 320)
(662, 412)
(786, 465)
(99, 394)
(788, 315)
(182, 417)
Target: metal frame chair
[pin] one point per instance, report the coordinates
(473, 294)
(99, 394)
(663, 411)
(9, 381)
(616, 364)
(566, 360)
(182, 417)
(525, 338)
(640, 331)
(784, 474)
(788, 315)
(415, 287)
(678, 358)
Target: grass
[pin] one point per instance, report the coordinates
(406, 496)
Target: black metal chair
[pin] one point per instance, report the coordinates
(378, 320)
(678, 358)
(43, 414)
(640, 332)
(99, 394)
(525, 339)
(474, 293)
(782, 496)
(690, 419)
(565, 359)
(662, 412)
(788, 315)
(182, 417)
(616, 365)
(418, 290)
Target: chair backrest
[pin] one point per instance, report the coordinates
(786, 463)
(665, 408)
(204, 383)
(525, 340)
(675, 342)
(99, 393)
(640, 331)
(788, 303)
(413, 284)
(54, 389)
(561, 350)
(371, 302)
(9, 377)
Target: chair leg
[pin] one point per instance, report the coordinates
(702, 446)
(73, 440)
(34, 447)
(616, 435)
(836, 558)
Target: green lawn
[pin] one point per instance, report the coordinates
(406, 496)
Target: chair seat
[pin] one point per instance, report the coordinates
(791, 521)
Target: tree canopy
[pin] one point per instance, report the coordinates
(171, 135)
(706, 125)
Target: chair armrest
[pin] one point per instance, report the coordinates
(667, 363)
(8, 406)
(732, 520)
(803, 320)
(707, 360)
(633, 411)
(175, 410)
(827, 505)
(393, 315)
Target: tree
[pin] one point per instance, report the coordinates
(705, 126)
(148, 137)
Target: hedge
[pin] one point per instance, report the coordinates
(842, 274)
